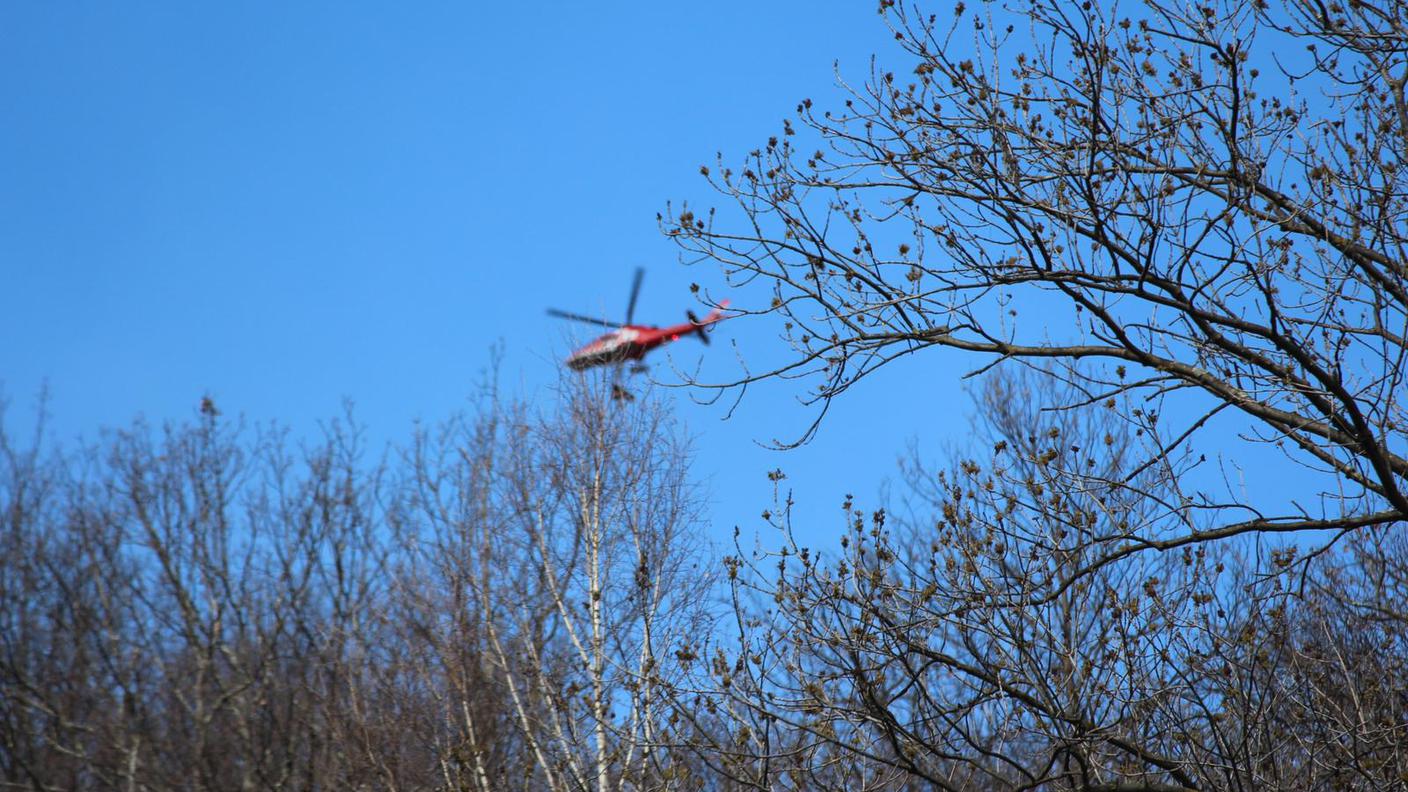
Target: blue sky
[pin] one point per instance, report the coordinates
(289, 205)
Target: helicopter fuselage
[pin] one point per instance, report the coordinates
(628, 341)
(631, 342)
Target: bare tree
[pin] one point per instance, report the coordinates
(1187, 219)
(206, 607)
(184, 609)
(1340, 654)
(562, 542)
(942, 647)
(1204, 202)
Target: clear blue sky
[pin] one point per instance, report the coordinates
(285, 205)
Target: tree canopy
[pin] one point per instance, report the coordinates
(1195, 208)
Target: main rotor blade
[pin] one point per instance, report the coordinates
(635, 292)
(580, 318)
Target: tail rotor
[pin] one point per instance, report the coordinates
(699, 327)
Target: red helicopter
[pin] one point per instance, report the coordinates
(628, 341)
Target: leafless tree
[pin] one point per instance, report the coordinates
(564, 542)
(1203, 202)
(1187, 220)
(186, 608)
(1338, 657)
(943, 647)
(210, 607)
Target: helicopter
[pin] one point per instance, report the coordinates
(628, 341)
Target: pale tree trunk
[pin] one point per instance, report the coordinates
(578, 522)
(593, 526)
